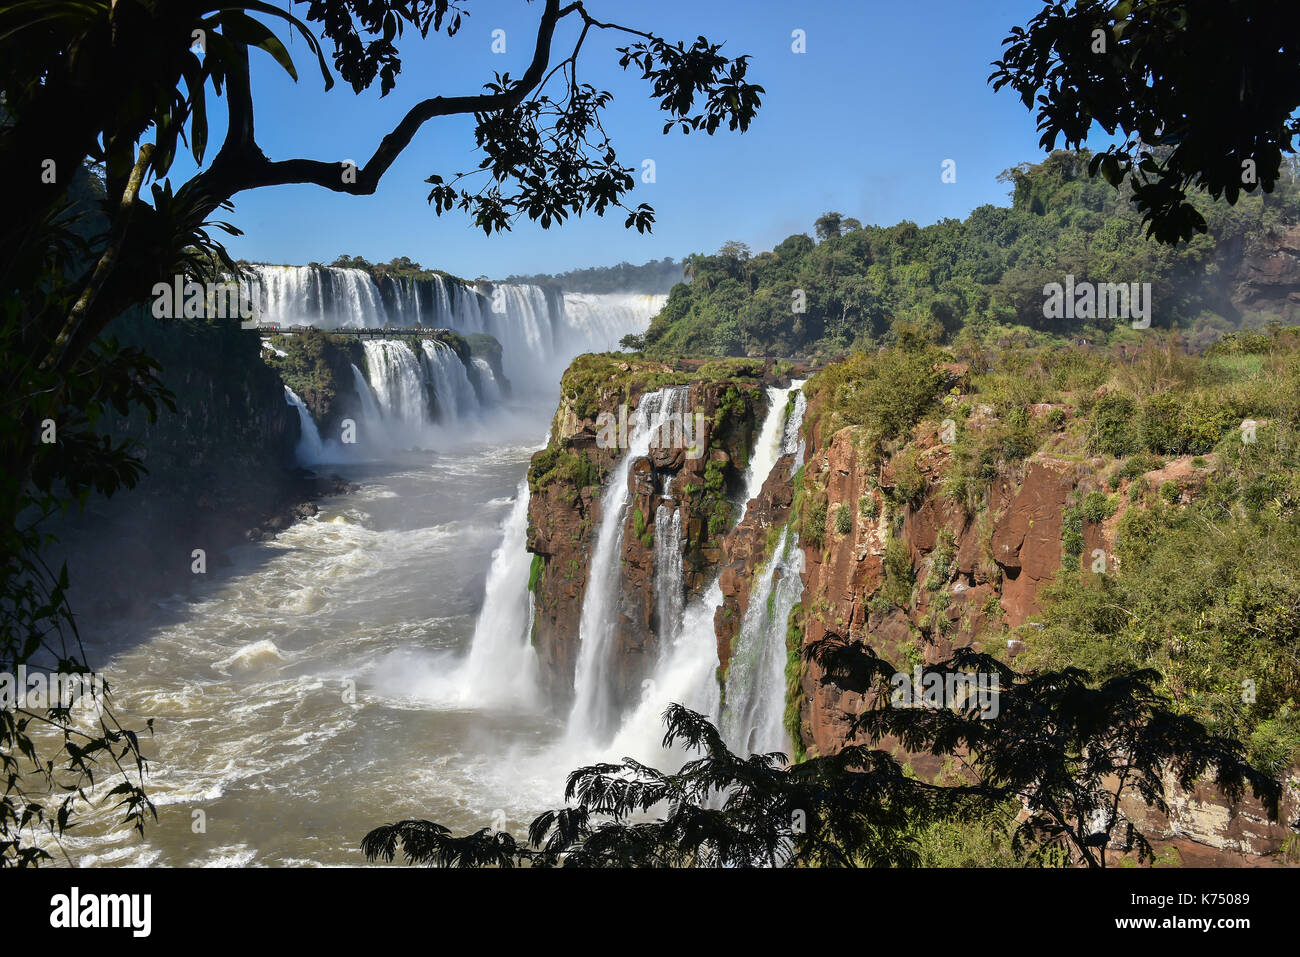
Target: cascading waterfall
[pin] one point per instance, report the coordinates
(318, 296)
(310, 449)
(398, 381)
(771, 439)
(686, 673)
(670, 590)
(488, 380)
(596, 322)
(593, 714)
(370, 413)
(752, 718)
(540, 330)
(446, 375)
(520, 319)
(502, 665)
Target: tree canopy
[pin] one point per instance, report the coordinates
(1202, 95)
(983, 276)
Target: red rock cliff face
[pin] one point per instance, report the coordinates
(958, 570)
(1271, 277)
(964, 573)
(565, 517)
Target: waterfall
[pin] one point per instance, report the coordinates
(319, 296)
(502, 665)
(772, 439)
(669, 587)
(540, 330)
(310, 449)
(593, 709)
(686, 674)
(790, 440)
(488, 380)
(398, 381)
(370, 413)
(521, 320)
(753, 717)
(446, 375)
(596, 322)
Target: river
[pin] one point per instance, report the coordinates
(301, 698)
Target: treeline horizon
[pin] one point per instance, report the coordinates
(857, 287)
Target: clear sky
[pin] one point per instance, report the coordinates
(860, 123)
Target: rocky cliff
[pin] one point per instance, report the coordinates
(912, 553)
(567, 481)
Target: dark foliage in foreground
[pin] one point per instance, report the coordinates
(1067, 752)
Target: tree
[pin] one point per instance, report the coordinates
(1068, 752)
(351, 262)
(86, 85)
(719, 810)
(734, 249)
(828, 225)
(1203, 92)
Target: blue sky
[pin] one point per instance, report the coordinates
(860, 123)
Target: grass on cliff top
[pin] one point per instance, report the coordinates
(600, 382)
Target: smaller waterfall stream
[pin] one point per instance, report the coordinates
(670, 593)
(502, 665)
(752, 718)
(488, 381)
(446, 375)
(370, 413)
(398, 381)
(310, 449)
(753, 714)
(593, 709)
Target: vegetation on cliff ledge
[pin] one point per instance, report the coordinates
(1181, 535)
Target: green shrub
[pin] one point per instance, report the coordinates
(896, 590)
(1276, 741)
(1110, 430)
(557, 464)
(1140, 464)
(909, 481)
(1071, 538)
(843, 520)
(1097, 507)
(813, 528)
